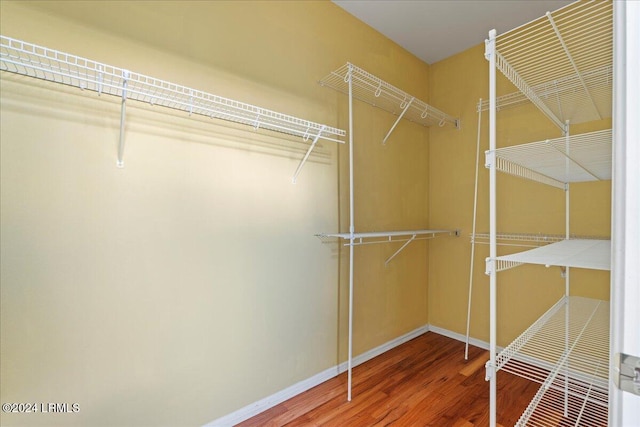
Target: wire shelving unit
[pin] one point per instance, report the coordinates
(359, 84)
(42, 63)
(561, 63)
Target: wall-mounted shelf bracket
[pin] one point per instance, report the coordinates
(413, 237)
(376, 237)
(123, 116)
(307, 154)
(404, 110)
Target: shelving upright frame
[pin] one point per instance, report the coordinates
(364, 86)
(577, 39)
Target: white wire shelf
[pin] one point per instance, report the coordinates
(375, 91)
(581, 158)
(42, 63)
(552, 89)
(562, 61)
(376, 237)
(579, 253)
(384, 236)
(528, 239)
(566, 351)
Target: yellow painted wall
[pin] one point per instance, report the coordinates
(456, 84)
(189, 284)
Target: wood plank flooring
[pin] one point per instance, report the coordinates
(424, 382)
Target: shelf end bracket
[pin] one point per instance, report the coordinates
(307, 154)
(123, 115)
(413, 237)
(404, 110)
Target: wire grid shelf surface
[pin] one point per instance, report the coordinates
(567, 351)
(533, 237)
(375, 91)
(580, 253)
(562, 61)
(47, 64)
(581, 158)
(597, 78)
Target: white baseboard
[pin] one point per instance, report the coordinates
(262, 405)
(459, 337)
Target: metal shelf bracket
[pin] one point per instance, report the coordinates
(123, 116)
(308, 153)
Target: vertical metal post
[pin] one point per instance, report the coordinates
(351, 232)
(473, 233)
(566, 274)
(491, 52)
(123, 114)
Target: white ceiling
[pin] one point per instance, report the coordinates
(436, 29)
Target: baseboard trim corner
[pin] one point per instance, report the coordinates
(262, 405)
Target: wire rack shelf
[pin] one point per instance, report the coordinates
(562, 62)
(42, 63)
(580, 158)
(566, 351)
(375, 91)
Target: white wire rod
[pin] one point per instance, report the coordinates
(375, 91)
(545, 161)
(473, 232)
(47, 64)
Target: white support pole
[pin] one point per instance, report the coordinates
(491, 53)
(351, 232)
(123, 115)
(473, 236)
(406, 107)
(306, 156)
(566, 273)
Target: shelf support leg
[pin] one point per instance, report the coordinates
(490, 54)
(123, 115)
(306, 156)
(351, 231)
(399, 250)
(406, 107)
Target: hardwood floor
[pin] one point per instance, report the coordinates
(424, 382)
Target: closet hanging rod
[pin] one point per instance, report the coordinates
(378, 93)
(42, 63)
